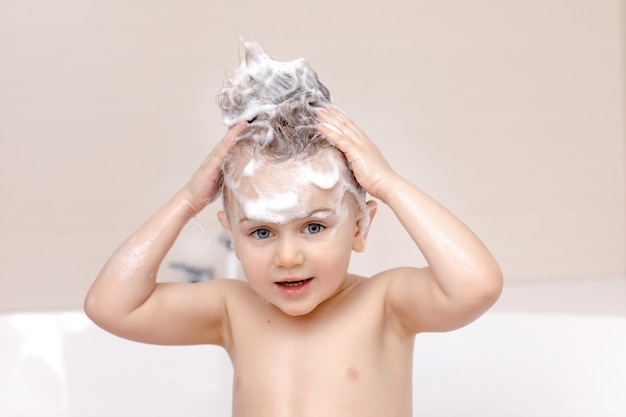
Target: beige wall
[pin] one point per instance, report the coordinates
(510, 113)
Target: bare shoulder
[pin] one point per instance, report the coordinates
(374, 289)
(377, 286)
(367, 305)
(388, 279)
(408, 295)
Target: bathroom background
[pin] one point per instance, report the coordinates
(511, 113)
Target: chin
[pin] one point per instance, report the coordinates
(297, 311)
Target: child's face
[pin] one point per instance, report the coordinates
(294, 236)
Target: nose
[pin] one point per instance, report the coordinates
(288, 253)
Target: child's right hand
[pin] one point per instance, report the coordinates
(203, 187)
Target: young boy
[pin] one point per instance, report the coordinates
(305, 337)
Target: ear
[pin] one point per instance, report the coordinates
(225, 222)
(363, 223)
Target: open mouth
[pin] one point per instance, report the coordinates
(293, 284)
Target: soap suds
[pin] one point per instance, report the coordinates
(282, 193)
(274, 208)
(261, 87)
(251, 168)
(281, 143)
(325, 179)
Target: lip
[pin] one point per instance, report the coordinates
(294, 287)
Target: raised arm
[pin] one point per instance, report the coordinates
(125, 298)
(462, 279)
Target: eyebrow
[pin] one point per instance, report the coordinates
(320, 213)
(325, 212)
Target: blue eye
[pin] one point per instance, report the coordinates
(313, 228)
(261, 233)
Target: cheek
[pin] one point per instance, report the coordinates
(254, 260)
(334, 256)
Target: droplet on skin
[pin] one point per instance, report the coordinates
(125, 262)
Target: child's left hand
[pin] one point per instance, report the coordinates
(370, 167)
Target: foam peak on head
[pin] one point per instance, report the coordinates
(271, 96)
(279, 100)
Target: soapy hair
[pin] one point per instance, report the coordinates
(278, 100)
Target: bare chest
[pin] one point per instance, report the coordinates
(334, 363)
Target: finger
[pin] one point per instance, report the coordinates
(330, 126)
(338, 121)
(232, 135)
(331, 132)
(339, 115)
(229, 140)
(330, 115)
(238, 129)
(214, 160)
